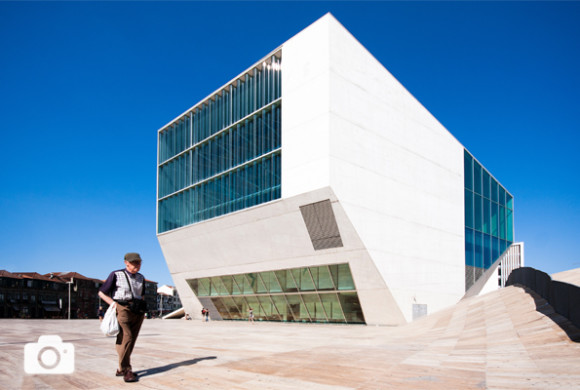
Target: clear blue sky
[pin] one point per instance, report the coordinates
(86, 85)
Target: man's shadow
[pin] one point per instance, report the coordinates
(157, 370)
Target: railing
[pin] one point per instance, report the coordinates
(510, 260)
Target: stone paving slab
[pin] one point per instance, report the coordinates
(496, 341)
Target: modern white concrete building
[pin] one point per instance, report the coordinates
(315, 187)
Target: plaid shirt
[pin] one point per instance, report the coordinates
(117, 288)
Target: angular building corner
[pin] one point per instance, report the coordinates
(315, 188)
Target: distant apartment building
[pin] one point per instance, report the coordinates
(32, 295)
(150, 295)
(84, 301)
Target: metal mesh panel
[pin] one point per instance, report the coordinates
(321, 225)
(472, 274)
(469, 277)
(478, 273)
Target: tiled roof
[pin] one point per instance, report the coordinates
(6, 274)
(69, 275)
(37, 276)
(59, 277)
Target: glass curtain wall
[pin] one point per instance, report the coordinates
(311, 294)
(224, 154)
(489, 219)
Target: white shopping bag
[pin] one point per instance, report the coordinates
(109, 325)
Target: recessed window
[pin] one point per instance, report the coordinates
(323, 293)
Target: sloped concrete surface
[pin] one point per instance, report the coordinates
(571, 276)
(503, 340)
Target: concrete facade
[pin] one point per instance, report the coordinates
(397, 172)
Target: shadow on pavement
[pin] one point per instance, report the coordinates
(157, 370)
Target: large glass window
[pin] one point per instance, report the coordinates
(224, 154)
(488, 219)
(324, 293)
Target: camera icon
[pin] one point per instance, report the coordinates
(49, 356)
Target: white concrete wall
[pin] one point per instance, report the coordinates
(398, 173)
(305, 110)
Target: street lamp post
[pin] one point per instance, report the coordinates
(72, 280)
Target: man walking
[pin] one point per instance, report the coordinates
(126, 287)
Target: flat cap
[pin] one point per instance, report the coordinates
(132, 256)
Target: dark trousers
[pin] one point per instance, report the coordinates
(129, 326)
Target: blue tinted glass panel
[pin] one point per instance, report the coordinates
(494, 186)
(476, 177)
(487, 251)
(509, 201)
(501, 195)
(502, 222)
(485, 188)
(478, 212)
(495, 249)
(468, 170)
(478, 247)
(486, 216)
(510, 225)
(469, 248)
(469, 212)
(494, 219)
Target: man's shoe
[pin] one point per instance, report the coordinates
(130, 376)
(120, 373)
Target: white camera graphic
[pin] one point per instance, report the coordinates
(49, 356)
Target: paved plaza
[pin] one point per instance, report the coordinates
(503, 340)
